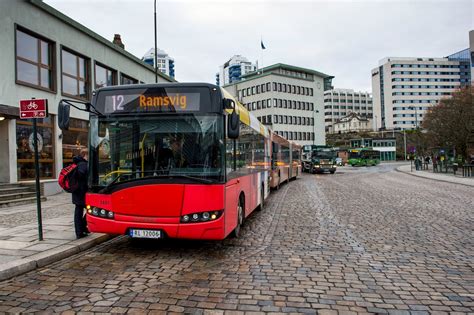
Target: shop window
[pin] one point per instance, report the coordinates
(74, 140)
(25, 150)
(75, 75)
(35, 62)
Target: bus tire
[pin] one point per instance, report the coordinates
(240, 218)
(262, 196)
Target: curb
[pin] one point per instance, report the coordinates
(24, 265)
(435, 179)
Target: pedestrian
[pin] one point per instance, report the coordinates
(79, 195)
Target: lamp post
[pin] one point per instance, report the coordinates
(314, 125)
(156, 49)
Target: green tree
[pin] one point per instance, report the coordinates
(451, 123)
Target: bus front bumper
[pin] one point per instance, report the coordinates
(170, 227)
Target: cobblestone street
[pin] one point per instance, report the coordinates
(365, 240)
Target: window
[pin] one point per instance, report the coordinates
(74, 139)
(125, 79)
(279, 87)
(75, 74)
(253, 90)
(35, 60)
(274, 86)
(311, 92)
(105, 76)
(259, 105)
(258, 89)
(279, 103)
(25, 151)
(269, 87)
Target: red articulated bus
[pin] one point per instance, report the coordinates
(175, 160)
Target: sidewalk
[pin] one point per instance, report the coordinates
(20, 250)
(444, 177)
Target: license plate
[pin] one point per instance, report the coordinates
(146, 233)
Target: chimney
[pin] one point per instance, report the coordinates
(118, 41)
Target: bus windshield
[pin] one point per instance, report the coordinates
(324, 154)
(138, 147)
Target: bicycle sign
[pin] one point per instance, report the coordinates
(33, 108)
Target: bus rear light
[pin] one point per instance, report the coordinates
(201, 216)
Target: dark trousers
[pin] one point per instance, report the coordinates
(80, 223)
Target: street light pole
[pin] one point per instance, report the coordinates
(405, 143)
(156, 50)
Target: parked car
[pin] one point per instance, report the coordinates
(339, 161)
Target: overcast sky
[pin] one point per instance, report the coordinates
(345, 39)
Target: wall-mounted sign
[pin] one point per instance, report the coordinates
(33, 108)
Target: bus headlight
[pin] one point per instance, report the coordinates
(201, 216)
(101, 213)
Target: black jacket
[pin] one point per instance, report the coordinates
(79, 196)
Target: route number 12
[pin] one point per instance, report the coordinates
(117, 102)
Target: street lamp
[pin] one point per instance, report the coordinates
(416, 115)
(314, 125)
(156, 49)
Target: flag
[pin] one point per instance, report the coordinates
(261, 44)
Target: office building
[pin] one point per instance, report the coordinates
(164, 61)
(288, 99)
(47, 55)
(339, 103)
(233, 70)
(404, 89)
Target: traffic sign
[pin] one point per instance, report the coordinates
(33, 108)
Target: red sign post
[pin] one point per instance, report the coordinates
(35, 109)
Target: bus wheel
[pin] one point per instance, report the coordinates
(262, 196)
(240, 219)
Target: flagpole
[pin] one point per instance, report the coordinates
(261, 41)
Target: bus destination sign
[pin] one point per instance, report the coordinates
(163, 102)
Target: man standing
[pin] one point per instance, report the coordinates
(79, 195)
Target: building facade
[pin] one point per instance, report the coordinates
(352, 123)
(233, 70)
(46, 55)
(164, 61)
(288, 99)
(339, 103)
(404, 89)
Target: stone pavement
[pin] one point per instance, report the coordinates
(444, 177)
(20, 249)
(364, 240)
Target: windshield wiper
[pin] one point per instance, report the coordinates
(155, 175)
(114, 181)
(199, 179)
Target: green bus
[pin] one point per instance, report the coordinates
(363, 157)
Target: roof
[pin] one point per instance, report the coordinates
(287, 67)
(60, 16)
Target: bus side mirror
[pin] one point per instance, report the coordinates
(63, 115)
(233, 125)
